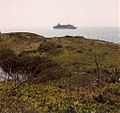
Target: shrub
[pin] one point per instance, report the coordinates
(46, 46)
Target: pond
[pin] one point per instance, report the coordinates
(16, 76)
(3, 75)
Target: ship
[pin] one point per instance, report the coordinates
(68, 26)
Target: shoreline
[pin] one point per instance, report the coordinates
(72, 36)
(111, 34)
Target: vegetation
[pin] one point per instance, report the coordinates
(58, 75)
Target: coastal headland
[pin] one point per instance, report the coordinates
(70, 74)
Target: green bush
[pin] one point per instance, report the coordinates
(47, 45)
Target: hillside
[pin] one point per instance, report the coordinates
(59, 75)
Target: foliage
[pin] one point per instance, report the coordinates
(61, 74)
(42, 98)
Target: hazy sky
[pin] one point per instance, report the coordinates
(43, 13)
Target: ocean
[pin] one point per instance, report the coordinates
(103, 33)
(111, 34)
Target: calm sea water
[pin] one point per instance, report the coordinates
(103, 33)
(106, 33)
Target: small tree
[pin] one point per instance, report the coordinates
(97, 58)
(97, 69)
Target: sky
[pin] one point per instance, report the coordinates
(46, 13)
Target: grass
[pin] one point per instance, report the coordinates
(67, 65)
(42, 98)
